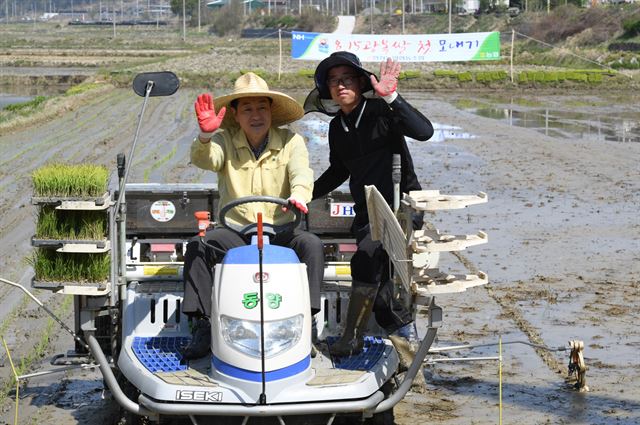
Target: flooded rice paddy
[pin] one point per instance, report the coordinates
(562, 257)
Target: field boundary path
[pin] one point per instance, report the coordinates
(346, 24)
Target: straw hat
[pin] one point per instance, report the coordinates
(284, 109)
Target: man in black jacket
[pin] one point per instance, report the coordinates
(370, 124)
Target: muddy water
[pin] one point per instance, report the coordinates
(10, 94)
(611, 126)
(45, 71)
(562, 256)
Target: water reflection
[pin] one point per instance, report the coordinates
(11, 94)
(315, 128)
(442, 132)
(567, 125)
(7, 99)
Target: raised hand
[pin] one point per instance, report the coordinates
(208, 120)
(389, 72)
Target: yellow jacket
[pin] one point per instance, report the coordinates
(282, 171)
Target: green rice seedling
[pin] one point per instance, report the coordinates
(84, 180)
(70, 225)
(405, 75)
(39, 350)
(490, 76)
(52, 266)
(159, 163)
(465, 76)
(577, 76)
(445, 73)
(594, 78)
(306, 73)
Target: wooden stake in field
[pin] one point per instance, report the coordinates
(15, 374)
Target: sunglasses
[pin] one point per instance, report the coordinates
(346, 81)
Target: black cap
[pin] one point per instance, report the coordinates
(338, 59)
(319, 99)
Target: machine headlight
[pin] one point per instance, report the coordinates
(279, 335)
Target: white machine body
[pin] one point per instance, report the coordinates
(235, 314)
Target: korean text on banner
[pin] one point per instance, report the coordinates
(402, 48)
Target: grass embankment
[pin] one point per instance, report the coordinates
(42, 109)
(433, 80)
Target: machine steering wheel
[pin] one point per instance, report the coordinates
(253, 228)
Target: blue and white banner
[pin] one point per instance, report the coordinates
(402, 48)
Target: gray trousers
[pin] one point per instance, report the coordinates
(199, 261)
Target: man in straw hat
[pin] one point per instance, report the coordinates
(369, 126)
(252, 156)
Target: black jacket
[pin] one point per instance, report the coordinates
(364, 152)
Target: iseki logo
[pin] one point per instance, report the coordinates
(211, 396)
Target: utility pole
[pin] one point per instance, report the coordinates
(371, 3)
(199, 7)
(450, 16)
(403, 16)
(184, 23)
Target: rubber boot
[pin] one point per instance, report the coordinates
(406, 353)
(200, 344)
(360, 305)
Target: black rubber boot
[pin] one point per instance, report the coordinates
(406, 348)
(200, 344)
(360, 305)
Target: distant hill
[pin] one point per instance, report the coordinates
(605, 34)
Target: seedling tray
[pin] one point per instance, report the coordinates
(73, 246)
(74, 203)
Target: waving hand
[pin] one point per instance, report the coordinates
(208, 120)
(389, 72)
